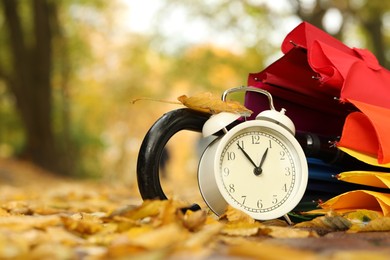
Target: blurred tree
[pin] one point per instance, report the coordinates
(34, 52)
(369, 16)
(29, 76)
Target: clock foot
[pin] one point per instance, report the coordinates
(288, 220)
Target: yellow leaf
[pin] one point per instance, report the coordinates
(379, 224)
(161, 237)
(263, 250)
(147, 209)
(208, 103)
(84, 224)
(243, 228)
(201, 238)
(194, 220)
(287, 232)
(236, 215)
(362, 215)
(330, 222)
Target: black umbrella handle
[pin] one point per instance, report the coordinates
(148, 164)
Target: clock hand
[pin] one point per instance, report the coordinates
(259, 170)
(246, 155)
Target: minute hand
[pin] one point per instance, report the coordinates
(246, 155)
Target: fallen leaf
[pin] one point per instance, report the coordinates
(241, 228)
(263, 250)
(194, 220)
(235, 215)
(82, 223)
(328, 223)
(379, 224)
(161, 237)
(362, 216)
(203, 237)
(287, 232)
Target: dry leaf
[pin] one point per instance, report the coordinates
(287, 232)
(208, 103)
(241, 228)
(161, 237)
(236, 215)
(263, 250)
(328, 223)
(379, 224)
(194, 220)
(84, 224)
(204, 236)
(362, 216)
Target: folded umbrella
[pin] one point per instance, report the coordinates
(330, 89)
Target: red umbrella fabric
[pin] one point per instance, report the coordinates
(314, 70)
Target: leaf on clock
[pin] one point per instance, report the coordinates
(208, 103)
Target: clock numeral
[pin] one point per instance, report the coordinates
(259, 204)
(288, 171)
(231, 188)
(282, 155)
(231, 156)
(275, 199)
(243, 199)
(270, 144)
(226, 171)
(240, 144)
(284, 187)
(255, 139)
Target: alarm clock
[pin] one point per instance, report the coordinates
(256, 166)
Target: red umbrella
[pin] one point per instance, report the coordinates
(314, 70)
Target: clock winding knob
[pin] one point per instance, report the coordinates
(279, 118)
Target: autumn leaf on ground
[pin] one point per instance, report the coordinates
(330, 222)
(367, 220)
(236, 215)
(263, 250)
(206, 102)
(239, 223)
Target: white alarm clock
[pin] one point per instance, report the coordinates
(257, 166)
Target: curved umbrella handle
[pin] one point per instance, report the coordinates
(152, 147)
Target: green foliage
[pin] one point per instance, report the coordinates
(95, 74)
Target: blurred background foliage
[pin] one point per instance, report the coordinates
(70, 68)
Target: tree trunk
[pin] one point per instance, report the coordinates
(29, 81)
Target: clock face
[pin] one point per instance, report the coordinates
(261, 171)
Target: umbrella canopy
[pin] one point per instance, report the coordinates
(330, 89)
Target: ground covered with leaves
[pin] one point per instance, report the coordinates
(43, 217)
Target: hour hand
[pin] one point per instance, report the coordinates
(259, 169)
